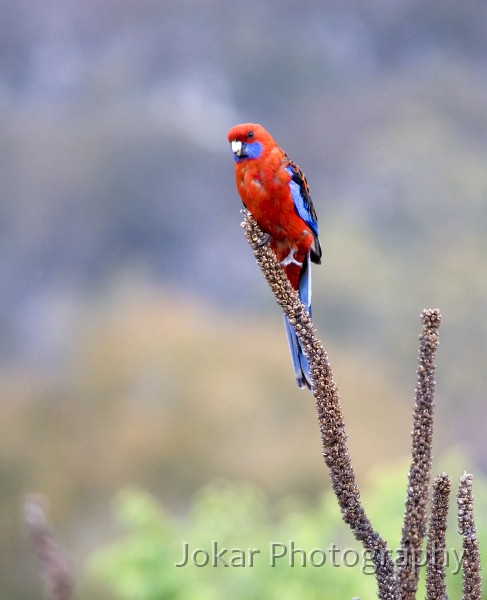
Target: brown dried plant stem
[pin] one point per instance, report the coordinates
(53, 562)
(472, 580)
(436, 547)
(329, 411)
(415, 514)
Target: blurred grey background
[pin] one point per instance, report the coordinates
(139, 342)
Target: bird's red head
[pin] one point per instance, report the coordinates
(249, 140)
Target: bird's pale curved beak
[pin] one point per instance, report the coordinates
(237, 147)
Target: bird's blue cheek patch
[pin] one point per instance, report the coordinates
(253, 150)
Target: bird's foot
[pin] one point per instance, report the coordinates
(290, 260)
(264, 240)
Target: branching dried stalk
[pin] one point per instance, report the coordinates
(333, 434)
(472, 580)
(436, 547)
(415, 515)
(391, 585)
(53, 562)
(403, 582)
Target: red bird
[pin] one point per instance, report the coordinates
(275, 191)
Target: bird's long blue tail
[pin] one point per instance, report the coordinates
(300, 362)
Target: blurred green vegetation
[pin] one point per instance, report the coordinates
(140, 562)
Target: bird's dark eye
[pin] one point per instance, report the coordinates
(250, 134)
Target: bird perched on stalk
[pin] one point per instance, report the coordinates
(275, 191)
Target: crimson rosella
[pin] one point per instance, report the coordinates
(275, 191)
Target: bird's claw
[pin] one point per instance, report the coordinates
(264, 240)
(290, 260)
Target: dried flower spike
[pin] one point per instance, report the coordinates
(53, 562)
(436, 547)
(415, 514)
(472, 580)
(332, 426)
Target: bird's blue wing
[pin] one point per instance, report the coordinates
(304, 205)
(301, 197)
